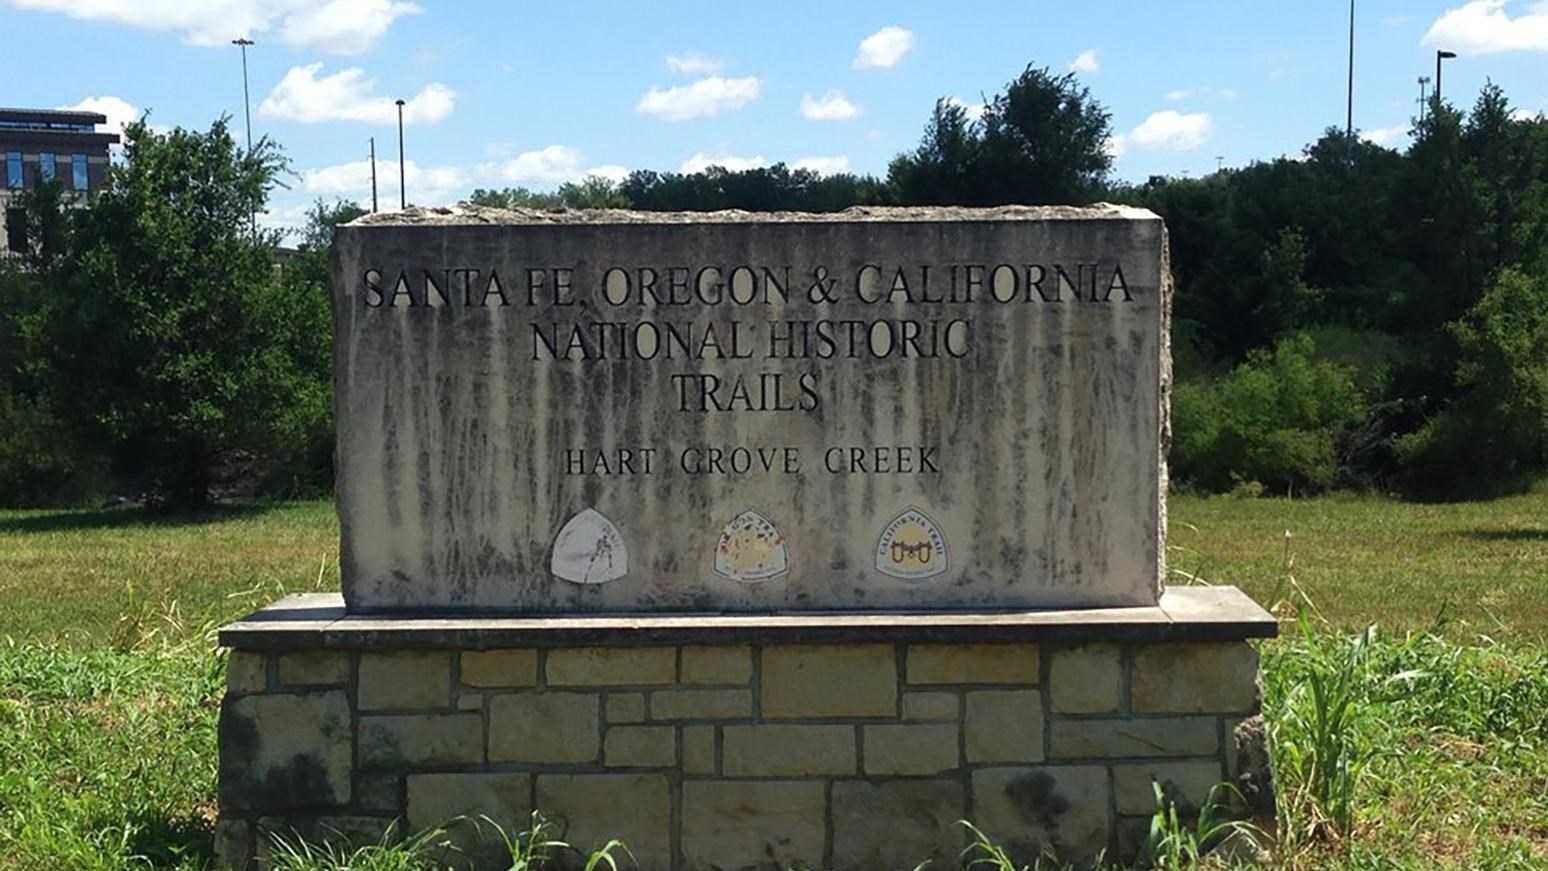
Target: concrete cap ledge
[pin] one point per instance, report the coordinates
(318, 620)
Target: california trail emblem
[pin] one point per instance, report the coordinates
(912, 547)
(589, 550)
(751, 549)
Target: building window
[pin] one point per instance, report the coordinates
(13, 170)
(78, 174)
(46, 166)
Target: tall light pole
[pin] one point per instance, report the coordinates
(247, 111)
(1349, 113)
(402, 190)
(373, 175)
(247, 118)
(1440, 56)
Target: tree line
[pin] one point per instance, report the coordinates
(1357, 316)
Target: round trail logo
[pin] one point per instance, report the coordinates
(589, 550)
(912, 547)
(751, 549)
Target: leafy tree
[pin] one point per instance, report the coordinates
(591, 192)
(1494, 436)
(168, 337)
(1044, 140)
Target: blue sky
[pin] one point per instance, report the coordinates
(527, 93)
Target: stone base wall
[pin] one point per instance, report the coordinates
(829, 755)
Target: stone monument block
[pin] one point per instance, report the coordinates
(922, 408)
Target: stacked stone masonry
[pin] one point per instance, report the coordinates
(845, 756)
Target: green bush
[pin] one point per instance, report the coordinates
(1275, 419)
(1493, 437)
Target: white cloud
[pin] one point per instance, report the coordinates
(1206, 91)
(1484, 27)
(1395, 20)
(1166, 130)
(119, 112)
(1086, 62)
(610, 171)
(823, 165)
(427, 185)
(1527, 115)
(884, 49)
(831, 106)
(973, 110)
(552, 165)
(704, 98)
(1385, 136)
(702, 161)
(334, 27)
(347, 95)
(694, 64)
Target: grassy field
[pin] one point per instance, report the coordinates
(105, 655)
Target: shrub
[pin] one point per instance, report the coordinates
(1275, 419)
(1493, 437)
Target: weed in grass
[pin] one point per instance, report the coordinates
(1176, 846)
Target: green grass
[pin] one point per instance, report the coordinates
(109, 679)
(1481, 568)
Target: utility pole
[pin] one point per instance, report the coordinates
(402, 190)
(247, 115)
(1440, 56)
(373, 175)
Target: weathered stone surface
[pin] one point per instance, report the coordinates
(285, 750)
(1033, 810)
(739, 825)
(305, 668)
(717, 664)
(1248, 766)
(787, 750)
(246, 672)
(233, 847)
(700, 704)
(596, 808)
(931, 706)
(379, 792)
(625, 707)
(611, 666)
(1106, 739)
(1003, 726)
(438, 799)
(470, 701)
(417, 740)
(543, 727)
(1186, 783)
(509, 667)
(910, 749)
(454, 497)
(405, 680)
(460, 802)
(973, 664)
(698, 749)
(1196, 678)
(1087, 679)
(829, 680)
(640, 747)
(899, 824)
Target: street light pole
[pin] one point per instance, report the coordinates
(247, 118)
(373, 175)
(247, 112)
(402, 190)
(1440, 56)
(1349, 112)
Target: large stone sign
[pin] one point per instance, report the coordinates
(879, 409)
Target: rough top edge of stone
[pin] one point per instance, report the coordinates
(465, 214)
